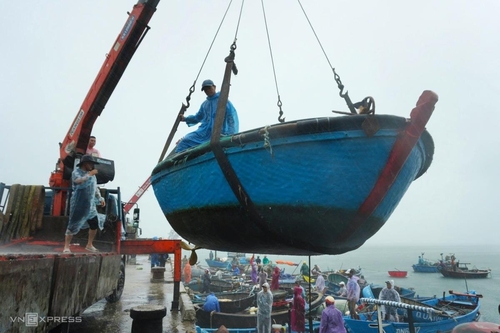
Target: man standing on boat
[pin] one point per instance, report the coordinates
(255, 277)
(187, 273)
(258, 260)
(320, 284)
(304, 269)
(206, 281)
(331, 318)
(262, 276)
(389, 294)
(353, 293)
(264, 308)
(206, 116)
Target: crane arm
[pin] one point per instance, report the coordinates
(137, 195)
(76, 140)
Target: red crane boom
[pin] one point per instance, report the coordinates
(76, 140)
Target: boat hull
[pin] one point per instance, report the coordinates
(464, 311)
(232, 302)
(398, 274)
(469, 274)
(215, 286)
(425, 268)
(225, 265)
(246, 320)
(311, 172)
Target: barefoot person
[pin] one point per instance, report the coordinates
(83, 212)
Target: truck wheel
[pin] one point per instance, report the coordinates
(118, 291)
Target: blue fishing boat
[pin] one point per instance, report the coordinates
(373, 291)
(261, 190)
(430, 316)
(426, 266)
(224, 265)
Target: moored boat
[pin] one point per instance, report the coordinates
(398, 273)
(430, 316)
(461, 271)
(373, 290)
(315, 327)
(215, 285)
(426, 266)
(246, 319)
(261, 212)
(229, 302)
(218, 264)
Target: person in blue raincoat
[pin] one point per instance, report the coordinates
(264, 308)
(155, 257)
(83, 211)
(206, 116)
(211, 303)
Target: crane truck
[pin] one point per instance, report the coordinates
(35, 275)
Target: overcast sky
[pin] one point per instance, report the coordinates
(391, 50)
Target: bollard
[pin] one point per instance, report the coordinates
(158, 274)
(148, 318)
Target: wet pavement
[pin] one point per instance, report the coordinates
(104, 317)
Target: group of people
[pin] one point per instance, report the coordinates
(332, 320)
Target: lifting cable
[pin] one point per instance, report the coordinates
(250, 209)
(186, 105)
(279, 104)
(367, 105)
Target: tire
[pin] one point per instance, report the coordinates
(120, 284)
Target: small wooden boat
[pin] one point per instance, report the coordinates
(246, 192)
(373, 290)
(337, 278)
(430, 316)
(229, 302)
(224, 265)
(315, 328)
(398, 274)
(246, 319)
(461, 271)
(215, 285)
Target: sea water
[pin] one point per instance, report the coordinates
(376, 261)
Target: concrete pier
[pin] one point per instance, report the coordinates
(104, 317)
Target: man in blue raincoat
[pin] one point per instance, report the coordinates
(206, 116)
(211, 303)
(83, 211)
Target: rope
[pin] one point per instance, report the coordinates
(345, 95)
(279, 104)
(185, 106)
(314, 32)
(213, 40)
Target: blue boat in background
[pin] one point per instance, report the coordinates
(261, 191)
(224, 265)
(427, 266)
